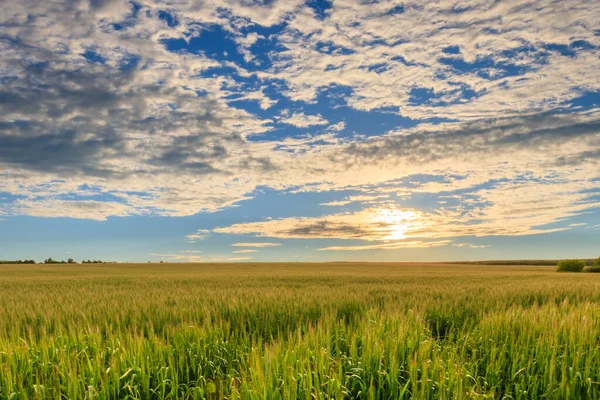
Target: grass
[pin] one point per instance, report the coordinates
(298, 331)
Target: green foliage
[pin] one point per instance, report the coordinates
(514, 262)
(17, 262)
(51, 261)
(570, 266)
(312, 331)
(444, 322)
(507, 262)
(597, 262)
(594, 269)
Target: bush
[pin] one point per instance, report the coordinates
(570, 266)
(595, 268)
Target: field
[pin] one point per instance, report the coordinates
(298, 331)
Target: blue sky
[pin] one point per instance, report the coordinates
(299, 130)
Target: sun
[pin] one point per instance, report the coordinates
(397, 222)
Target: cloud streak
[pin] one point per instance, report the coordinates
(200, 234)
(302, 120)
(389, 246)
(254, 244)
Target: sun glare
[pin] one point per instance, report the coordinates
(397, 222)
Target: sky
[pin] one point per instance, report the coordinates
(299, 130)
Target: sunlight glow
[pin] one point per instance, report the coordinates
(397, 222)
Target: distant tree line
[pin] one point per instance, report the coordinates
(588, 262)
(51, 261)
(71, 261)
(17, 261)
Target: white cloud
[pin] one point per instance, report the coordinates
(340, 126)
(265, 101)
(147, 138)
(302, 120)
(502, 211)
(364, 199)
(254, 244)
(336, 203)
(200, 234)
(470, 245)
(80, 209)
(178, 257)
(389, 246)
(383, 64)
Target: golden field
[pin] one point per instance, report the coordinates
(298, 331)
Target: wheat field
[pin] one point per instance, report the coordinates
(298, 331)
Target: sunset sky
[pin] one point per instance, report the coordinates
(293, 130)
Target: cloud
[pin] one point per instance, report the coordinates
(444, 62)
(529, 149)
(125, 115)
(336, 203)
(301, 120)
(263, 100)
(94, 104)
(521, 211)
(254, 244)
(476, 140)
(244, 251)
(178, 257)
(80, 209)
(389, 246)
(340, 126)
(364, 199)
(470, 245)
(200, 234)
(369, 224)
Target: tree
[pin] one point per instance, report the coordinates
(570, 266)
(71, 261)
(595, 267)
